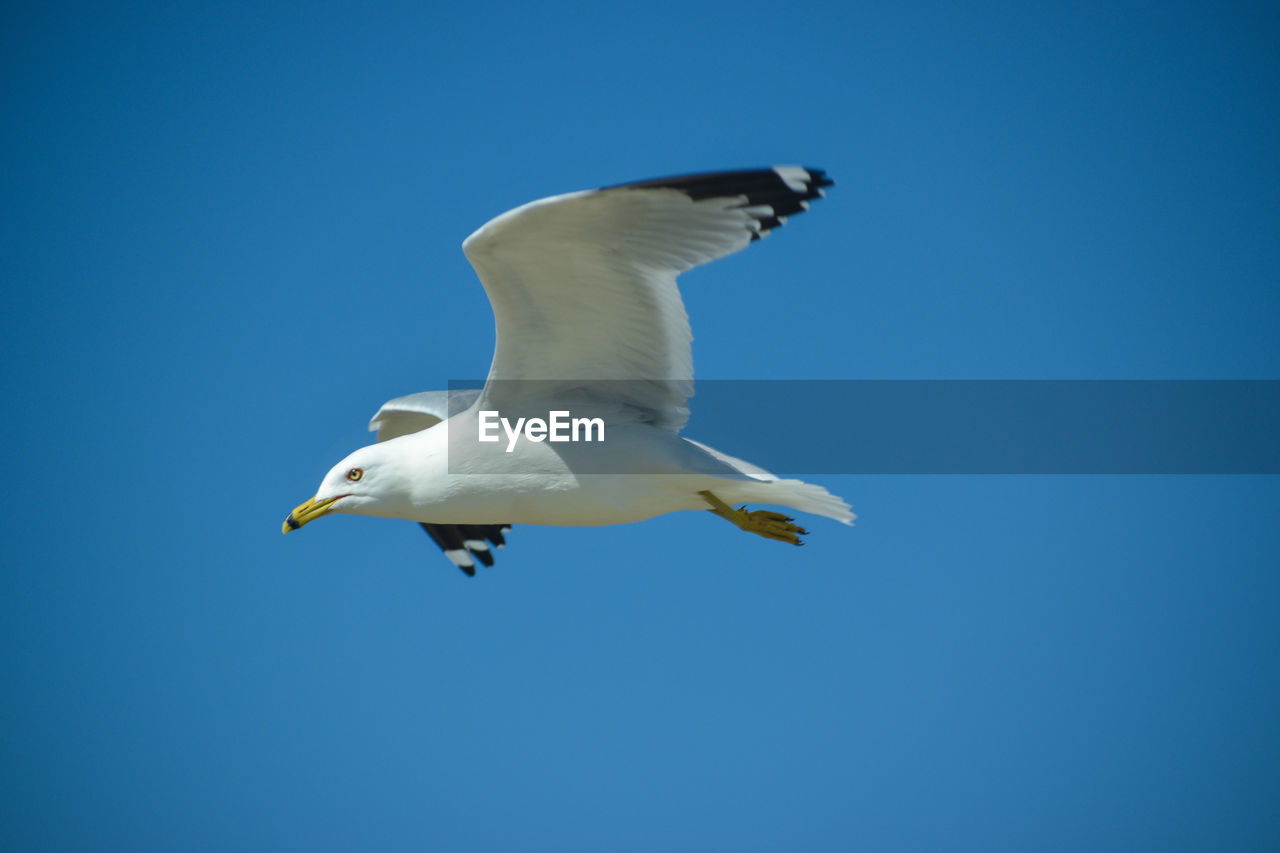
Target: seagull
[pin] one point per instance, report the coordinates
(591, 332)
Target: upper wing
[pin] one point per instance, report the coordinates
(416, 412)
(583, 286)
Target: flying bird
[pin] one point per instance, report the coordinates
(591, 332)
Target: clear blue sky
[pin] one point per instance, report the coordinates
(232, 231)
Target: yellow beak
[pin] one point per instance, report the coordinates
(309, 511)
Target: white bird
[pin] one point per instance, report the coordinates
(590, 323)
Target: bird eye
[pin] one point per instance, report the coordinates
(355, 474)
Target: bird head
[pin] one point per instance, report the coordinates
(362, 483)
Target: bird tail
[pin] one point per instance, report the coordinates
(796, 494)
(757, 485)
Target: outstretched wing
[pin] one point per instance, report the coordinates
(463, 544)
(583, 285)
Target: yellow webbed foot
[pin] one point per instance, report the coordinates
(762, 522)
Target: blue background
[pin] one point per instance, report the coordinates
(232, 231)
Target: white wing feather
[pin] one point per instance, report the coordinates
(583, 290)
(583, 287)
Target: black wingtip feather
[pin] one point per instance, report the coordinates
(454, 537)
(774, 191)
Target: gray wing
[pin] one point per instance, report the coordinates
(583, 285)
(416, 412)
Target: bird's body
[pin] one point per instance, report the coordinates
(644, 471)
(590, 324)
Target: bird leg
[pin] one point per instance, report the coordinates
(770, 525)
